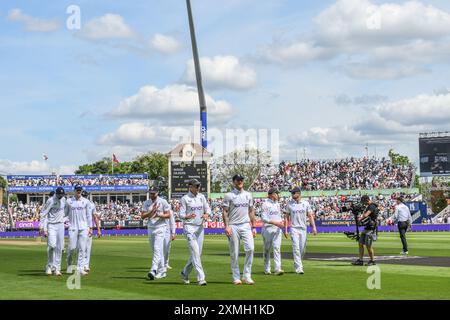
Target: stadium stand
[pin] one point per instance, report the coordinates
(343, 174)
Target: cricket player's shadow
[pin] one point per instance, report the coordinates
(129, 278)
(137, 269)
(31, 273)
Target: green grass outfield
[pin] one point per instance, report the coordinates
(120, 265)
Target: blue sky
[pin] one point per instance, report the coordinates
(315, 70)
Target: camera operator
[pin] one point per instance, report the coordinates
(369, 220)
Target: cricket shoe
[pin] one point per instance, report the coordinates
(404, 253)
(267, 273)
(237, 282)
(58, 273)
(87, 269)
(184, 278)
(82, 273)
(299, 271)
(161, 275)
(151, 275)
(202, 283)
(168, 267)
(358, 262)
(48, 271)
(248, 281)
(371, 263)
(279, 272)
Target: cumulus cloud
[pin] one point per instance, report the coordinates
(112, 30)
(106, 27)
(423, 109)
(165, 44)
(32, 167)
(388, 123)
(385, 41)
(134, 133)
(33, 24)
(354, 22)
(296, 52)
(222, 72)
(173, 104)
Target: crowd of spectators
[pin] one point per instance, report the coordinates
(102, 180)
(25, 212)
(343, 174)
(4, 219)
(119, 211)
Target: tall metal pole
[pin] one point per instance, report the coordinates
(198, 75)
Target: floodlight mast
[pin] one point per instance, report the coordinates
(198, 75)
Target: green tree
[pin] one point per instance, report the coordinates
(3, 187)
(438, 201)
(2, 182)
(100, 167)
(155, 164)
(398, 159)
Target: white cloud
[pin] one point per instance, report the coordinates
(348, 22)
(387, 124)
(165, 44)
(137, 135)
(385, 41)
(424, 109)
(33, 167)
(33, 24)
(133, 133)
(222, 72)
(108, 26)
(296, 52)
(173, 104)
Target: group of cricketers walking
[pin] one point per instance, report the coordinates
(239, 220)
(238, 217)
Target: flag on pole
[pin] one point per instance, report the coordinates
(115, 159)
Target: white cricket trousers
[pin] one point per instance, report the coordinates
(167, 246)
(77, 242)
(298, 236)
(87, 260)
(194, 236)
(272, 240)
(242, 232)
(55, 245)
(156, 239)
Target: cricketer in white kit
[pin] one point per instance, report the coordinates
(157, 210)
(239, 219)
(169, 236)
(52, 225)
(194, 210)
(297, 210)
(96, 217)
(272, 232)
(80, 229)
